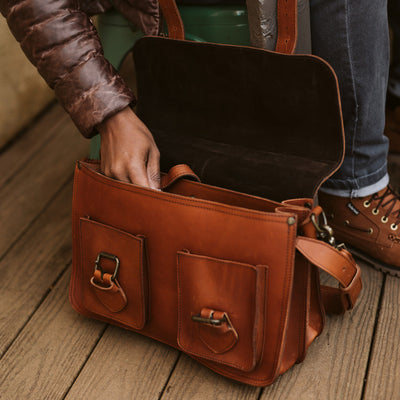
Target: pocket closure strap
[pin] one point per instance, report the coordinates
(108, 291)
(216, 330)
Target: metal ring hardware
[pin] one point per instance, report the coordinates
(108, 256)
(325, 232)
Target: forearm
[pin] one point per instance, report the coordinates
(60, 40)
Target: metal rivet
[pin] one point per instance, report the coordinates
(291, 221)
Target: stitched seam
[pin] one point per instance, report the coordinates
(266, 216)
(302, 332)
(178, 174)
(283, 314)
(216, 260)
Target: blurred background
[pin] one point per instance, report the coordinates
(23, 93)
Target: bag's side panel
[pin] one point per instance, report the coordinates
(316, 320)
(173, 223)
(296, 331)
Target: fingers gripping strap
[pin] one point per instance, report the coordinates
(339, 264)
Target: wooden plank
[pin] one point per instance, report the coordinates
(135, 367)
(15, 157)
(384, 370)
(336, 362)
(192, 381)
(49, 352)
(26, 194)
(33, 264)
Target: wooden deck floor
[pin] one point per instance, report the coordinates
(48, 351)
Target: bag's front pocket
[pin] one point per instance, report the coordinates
(221, 310)
(114, 273)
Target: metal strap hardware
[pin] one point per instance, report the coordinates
(108, 256)
(209, 321)
(324, 231)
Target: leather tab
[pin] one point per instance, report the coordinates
(338, 263)
(108, 291)
(218, 338)
(177, 172)
(302, 208)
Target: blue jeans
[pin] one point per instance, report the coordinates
(394, 75)
(352, 35)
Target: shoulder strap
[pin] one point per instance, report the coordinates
(287, 26)
(286, 22)
(339, 264)
(173, 19)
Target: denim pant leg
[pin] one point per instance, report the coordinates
(394, 75)
(352, 35)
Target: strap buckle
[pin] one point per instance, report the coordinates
(209, 321)
(97, 266)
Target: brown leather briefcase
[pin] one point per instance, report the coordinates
(229, 278)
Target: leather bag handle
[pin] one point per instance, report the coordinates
(286, 23)
(340, 264)
(177, 172)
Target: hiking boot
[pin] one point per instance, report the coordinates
(369, 226)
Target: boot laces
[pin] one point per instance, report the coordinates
(389, 201)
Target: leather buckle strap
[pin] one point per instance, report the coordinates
(215, 330)
(340, 264)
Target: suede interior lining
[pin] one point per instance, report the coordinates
(246, 119)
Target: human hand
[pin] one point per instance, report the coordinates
(128, 151)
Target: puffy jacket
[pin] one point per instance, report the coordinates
(60, 40)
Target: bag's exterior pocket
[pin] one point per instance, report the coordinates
(221, 310)
(113, 269)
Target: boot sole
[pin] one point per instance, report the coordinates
(379, 265)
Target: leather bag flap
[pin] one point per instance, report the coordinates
(246, 119)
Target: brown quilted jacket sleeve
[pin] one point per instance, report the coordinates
(60, 40)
